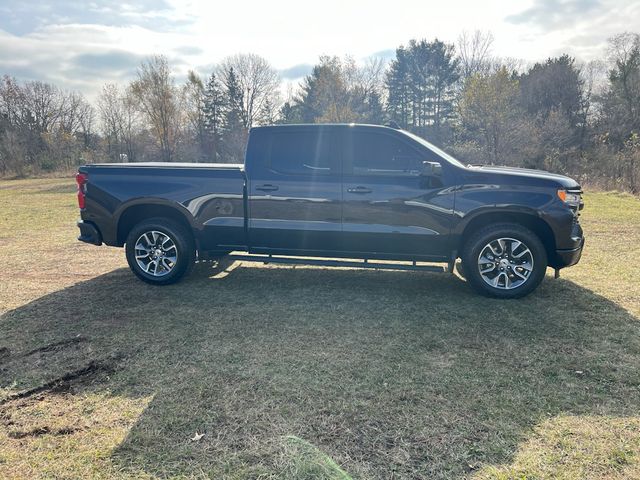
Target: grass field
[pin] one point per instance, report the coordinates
(311, 372)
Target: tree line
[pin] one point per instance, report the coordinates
(582, 119)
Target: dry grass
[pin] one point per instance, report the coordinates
(310, 372)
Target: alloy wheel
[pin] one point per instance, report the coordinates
(505, 263)
(156, 253)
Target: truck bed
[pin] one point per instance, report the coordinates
(207, 196)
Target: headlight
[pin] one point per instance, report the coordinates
(573, 199)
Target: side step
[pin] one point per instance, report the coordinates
(336, 263)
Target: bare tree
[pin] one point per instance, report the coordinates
(259, 85)
(624, 57)
(368, 78)
(119, 122)
(158, 100)
(13, 105)
(74, 112)
(194, 99)
(44, 102)
(111, 118)
(474, 52)
(593, 76)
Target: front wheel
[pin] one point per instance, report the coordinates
(160, 251)
(504, 261)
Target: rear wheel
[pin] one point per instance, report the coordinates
(504, 261)
(160, 251)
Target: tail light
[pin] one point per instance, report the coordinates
(81, 180)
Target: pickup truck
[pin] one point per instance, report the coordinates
(337, 191)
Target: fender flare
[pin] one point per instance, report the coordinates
(180, 209)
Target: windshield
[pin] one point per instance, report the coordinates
(434, 149)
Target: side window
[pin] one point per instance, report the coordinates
(379, 154)
(301, 153)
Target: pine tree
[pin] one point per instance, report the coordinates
(214, 108)
(234, 133)
(420, 85)
(399, 89)
(289, 113)
(375, 109)
(444, 76)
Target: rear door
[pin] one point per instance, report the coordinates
(393, 206)
(295, 191)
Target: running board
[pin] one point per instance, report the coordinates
(336, 263)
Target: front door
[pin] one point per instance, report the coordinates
(392, 202)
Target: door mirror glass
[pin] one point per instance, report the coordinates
(431, 169)
(431, 175)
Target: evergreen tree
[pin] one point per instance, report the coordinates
(289, 113)
(337, 91)
(399, 89)
(420, 85)
(375, 109)
(553, 85)
(215, 104)
(234, 133)
(444, 76)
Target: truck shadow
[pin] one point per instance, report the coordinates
(389, 373)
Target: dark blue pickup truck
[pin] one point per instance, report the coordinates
(335, 192)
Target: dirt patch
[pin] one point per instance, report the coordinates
(56, 345)
(35, 432)
(5, 353)
(38, 431)
(64, 383)
(5, 419)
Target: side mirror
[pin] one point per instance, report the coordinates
(431, 169)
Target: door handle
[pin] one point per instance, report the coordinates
(267, 188)
(359, 190)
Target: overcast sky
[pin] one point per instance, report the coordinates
(82, 45)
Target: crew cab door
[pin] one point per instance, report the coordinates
(294, 190)
(393, 204)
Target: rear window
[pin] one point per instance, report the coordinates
(301, 153)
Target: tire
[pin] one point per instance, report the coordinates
(170, 259)
(504, 260)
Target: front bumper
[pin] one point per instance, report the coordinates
(89, 233)
(566, 258)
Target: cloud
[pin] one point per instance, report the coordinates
(24, 17)
(189, 50)
(85, 56)
(297, 71)
(114, 61)
(386, 55)
(553, 14)
(82, 45)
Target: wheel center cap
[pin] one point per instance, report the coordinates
(158, 252)
(504, 262)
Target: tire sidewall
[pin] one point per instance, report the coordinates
(479, 240)
(182, 240)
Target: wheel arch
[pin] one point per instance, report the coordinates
(132, 214)
(527, 219)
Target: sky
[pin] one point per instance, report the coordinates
(83, 45)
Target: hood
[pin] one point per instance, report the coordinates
(563, 181)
